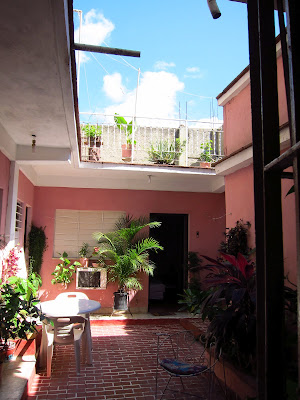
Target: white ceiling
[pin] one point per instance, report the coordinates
(37, 99)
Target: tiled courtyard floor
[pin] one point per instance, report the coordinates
(124, 365)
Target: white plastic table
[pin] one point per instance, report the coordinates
(69, 307)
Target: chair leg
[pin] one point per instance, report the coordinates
(77, 355)
(166, 387)
(87, 349)
(50, 337)
(87, 329)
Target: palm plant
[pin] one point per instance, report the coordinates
(128, 251)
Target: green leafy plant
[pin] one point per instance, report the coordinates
(92, 131)
(193, 298)
(165, 152)
(236, 239)
(123, 125)
(206, 152)
(84, 250)
(37, 244)
(63, 272)
(18, 311)
(127, 251)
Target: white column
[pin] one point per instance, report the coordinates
(10, 221)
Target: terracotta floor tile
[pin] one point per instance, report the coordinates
(124, 365)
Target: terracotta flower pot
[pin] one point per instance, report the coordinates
(126, 152)
(84, 261)
(205, 164)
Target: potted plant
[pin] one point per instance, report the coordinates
(128, 252)
(165, 152)
(18, 311)
(234, 299)
(93, 134)
(83, 253)
(122, 124)
(63, 272)
(206, 157)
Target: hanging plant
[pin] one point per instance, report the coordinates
(37, 244)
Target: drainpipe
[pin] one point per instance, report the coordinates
(214, 9)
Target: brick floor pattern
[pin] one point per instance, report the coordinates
(124, 366)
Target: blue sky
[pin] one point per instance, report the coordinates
(187, 58)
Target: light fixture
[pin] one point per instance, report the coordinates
(149, 178)
(33, 143)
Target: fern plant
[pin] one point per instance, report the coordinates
(127, 251)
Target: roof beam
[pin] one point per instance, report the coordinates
(105, 50)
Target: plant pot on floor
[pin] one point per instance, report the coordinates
(120, 301)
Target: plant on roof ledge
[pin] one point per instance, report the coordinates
(165, 151)
(206, 152)
(92, 131)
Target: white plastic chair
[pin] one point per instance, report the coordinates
(66, 331)
(79, 295)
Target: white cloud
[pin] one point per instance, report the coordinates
(193, 73)
(95, 30)
(192, 69)
(156, 97)
(163, 65)
(113, 87)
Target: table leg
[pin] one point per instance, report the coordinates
(43, 348)
(89, 340)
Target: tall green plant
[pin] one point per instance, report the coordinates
(123, 125)
(127, 251)
(236, 239)
(233, 295)
(37, 244)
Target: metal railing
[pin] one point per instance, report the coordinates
(141, 144)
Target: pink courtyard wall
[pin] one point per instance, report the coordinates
(202, 209)
(237, 115)
(239, 191)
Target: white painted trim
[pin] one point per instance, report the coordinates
(245, 157)
(63, 52)
(243, 82)
(236, 162)
(41, 154)
(148, 168)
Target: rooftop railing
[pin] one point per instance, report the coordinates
(184, 145)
